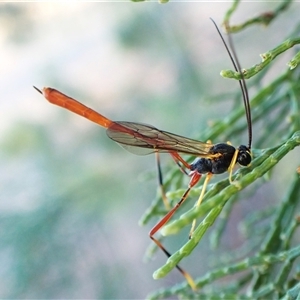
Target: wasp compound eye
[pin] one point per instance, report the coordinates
(244, 157)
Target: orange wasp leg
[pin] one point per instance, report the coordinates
(194, 179)
(178, 160)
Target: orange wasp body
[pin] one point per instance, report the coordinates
(140, 138)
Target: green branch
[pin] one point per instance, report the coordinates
(258, 261)
(214, 205)
(266, 59)
(265, 18)
(276, 121)
(260, 107)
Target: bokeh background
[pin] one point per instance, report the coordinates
(70, 198)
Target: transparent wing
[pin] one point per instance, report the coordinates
(143, 139)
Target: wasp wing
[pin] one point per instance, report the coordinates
(143, 139)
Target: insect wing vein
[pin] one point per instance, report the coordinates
(131, 135)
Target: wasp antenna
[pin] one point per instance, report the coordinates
(38, 89)
(242, 81)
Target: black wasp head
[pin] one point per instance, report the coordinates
(244, 156)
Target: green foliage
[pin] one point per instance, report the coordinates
(270, 267)
(68, 220)
(264, 18)
(267, 57)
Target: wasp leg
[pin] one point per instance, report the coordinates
(194, 179)
(207, 179)
(232, 164)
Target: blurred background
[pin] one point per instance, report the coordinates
(70, 198)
